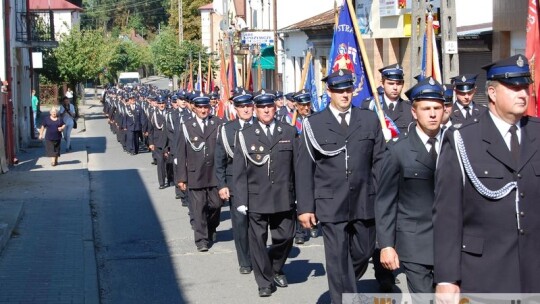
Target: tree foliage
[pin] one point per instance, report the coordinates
(191, 17)
(170, 58)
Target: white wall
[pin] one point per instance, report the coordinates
(518, 40)
(474, 12)
(63, 22)
(206, 27)
(295, 47)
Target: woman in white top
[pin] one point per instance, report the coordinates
(67, 112)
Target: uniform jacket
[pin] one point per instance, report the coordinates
(401, 115)
(457, 117)
(158, 130)
(404, 203)
(325, 186)
(134, 120)
(268, 188)
(197, 167)
(222, 160)
(477, 242)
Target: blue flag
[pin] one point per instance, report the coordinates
(311, 87)
(345, 54)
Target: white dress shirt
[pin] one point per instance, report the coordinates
(504, 129)
(336, 113)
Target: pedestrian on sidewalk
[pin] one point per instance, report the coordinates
(67, 112)
(35, 108)
(51, 129)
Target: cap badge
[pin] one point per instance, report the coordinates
(431, 82)
(463, 79)
(243, 92)
(397, 66)
(340, 73)
(520, 62)
(263, 92)
(201, 95)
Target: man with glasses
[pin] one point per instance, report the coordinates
(337, 170)
(486, 212)
(263, 178)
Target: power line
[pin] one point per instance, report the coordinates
(94, 11)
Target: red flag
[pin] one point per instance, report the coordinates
(532, 51)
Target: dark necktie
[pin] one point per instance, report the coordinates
(391, 107)
(433, 151)
(269, 134)
(467, 111)
(514, 144)
(343, 123)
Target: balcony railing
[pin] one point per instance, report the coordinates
(36, 27)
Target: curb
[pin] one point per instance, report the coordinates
(11, 213)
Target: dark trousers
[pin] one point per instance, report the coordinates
(132, 141)
(268, 262)
(205, 209)
(240, 235)
(348, 246)
(383, 275)
(419, 277)
(161, 165)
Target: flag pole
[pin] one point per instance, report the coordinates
(367, 66)
(248, 68)
(208, 79)
(304, 71)
(429, 46)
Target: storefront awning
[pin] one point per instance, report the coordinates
(267, 60)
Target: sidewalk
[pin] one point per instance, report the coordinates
(50, 257)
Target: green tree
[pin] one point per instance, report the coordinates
(173, 59)
(191, 17)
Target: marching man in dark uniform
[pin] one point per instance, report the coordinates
(397, 109)
(404, 203)
(195, 159)
(336, 177)
(263, 175)
(465, 108)
(134, 122)
(243, 103)
(487, 215)
(158, 140)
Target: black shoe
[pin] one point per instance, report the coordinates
(202, 248)
(299, 240)
(162, 187)
(245, 269)
(265, 291)
(154, 162)
(212, 236)
(281, 280)
(314, 232)
(184, 203)
(178, 196)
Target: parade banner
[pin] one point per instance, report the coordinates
(345, 54)
(430, 53)
(532, 51)
(311, 87)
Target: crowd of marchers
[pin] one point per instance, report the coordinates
(443, 188)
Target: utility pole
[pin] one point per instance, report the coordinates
(450, 57)
(449, 40)
(180, 22)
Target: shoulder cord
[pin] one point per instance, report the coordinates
(306, 127)
(225, 141)
(128, 112)
(169, 116)
(465, 165)
(155, 121)
(266, 158)
(186, 137)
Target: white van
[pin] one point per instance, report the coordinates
(129, 78)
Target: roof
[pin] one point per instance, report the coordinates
(324, 20)
(206, 7)
(55, 5)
